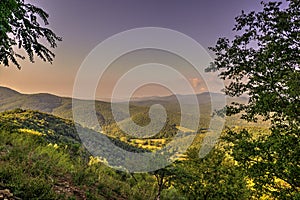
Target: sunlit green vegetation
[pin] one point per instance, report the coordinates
(42, 156)
(40, 160)
(77, 174)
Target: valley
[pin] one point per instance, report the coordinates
(42, 126)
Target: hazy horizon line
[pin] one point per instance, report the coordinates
(106, 99)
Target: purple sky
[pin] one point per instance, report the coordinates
(83, 24)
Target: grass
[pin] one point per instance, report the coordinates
(42, 158)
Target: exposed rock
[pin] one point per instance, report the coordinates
(6, 194)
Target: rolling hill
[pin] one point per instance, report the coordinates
(58, 106)
(41, 157)
(62, 107)
(52, 128)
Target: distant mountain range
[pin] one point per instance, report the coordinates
(10, 99)
(139, 107)
(43, 102)
(189, 99)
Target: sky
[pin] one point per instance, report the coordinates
(85, 24)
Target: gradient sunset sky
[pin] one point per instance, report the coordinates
(83, 24)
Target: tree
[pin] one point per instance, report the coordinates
(212, 177)
(163, 177)
(262, 61)
(20, 27)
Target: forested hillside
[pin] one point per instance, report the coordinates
(41, 157)
(49, 150)
(62, 107)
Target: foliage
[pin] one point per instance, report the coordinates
(62, 107)
(163, 179)
(53, 128)
(212, 177)
(67, 171)
(262, 61)
(33, 168)
(20, 27)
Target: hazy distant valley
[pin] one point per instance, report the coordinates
(41, 125)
